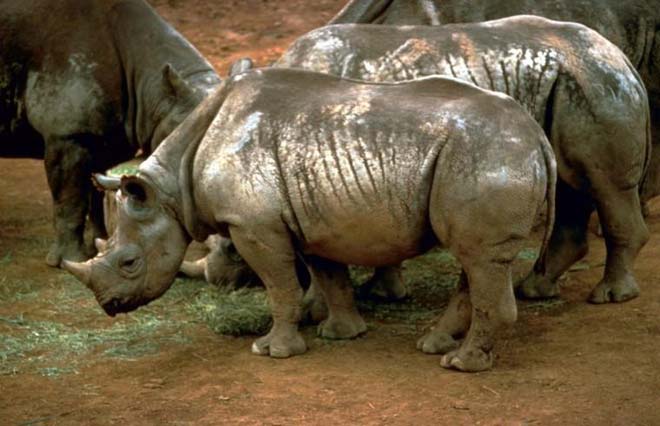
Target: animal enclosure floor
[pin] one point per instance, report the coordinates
(64, 362)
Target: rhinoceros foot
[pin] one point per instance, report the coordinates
(615, 291)
(436, 342)
(280, 343)
(468, 359)
(536, 286)
(346, 326)
(73, 252)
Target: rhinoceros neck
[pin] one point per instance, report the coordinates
(169, 168)
(146, 44)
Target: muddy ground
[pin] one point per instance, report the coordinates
(64, 362)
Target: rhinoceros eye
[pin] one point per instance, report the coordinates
(129, 265)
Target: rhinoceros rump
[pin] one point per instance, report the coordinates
(296, 164)
(84, 85)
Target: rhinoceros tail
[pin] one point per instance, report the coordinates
(551, 185)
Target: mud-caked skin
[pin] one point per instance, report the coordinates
(632, 25)
(581, 88)
(84, 85)
(293, 164)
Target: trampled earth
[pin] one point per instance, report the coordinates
(63, 361)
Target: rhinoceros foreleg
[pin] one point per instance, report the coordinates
(454, 322)
(568, 244)
(625, 234)
(270, 253)
(331, 278)
(68, 169)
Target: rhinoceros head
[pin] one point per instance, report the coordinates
(222, 266)
(139, 263)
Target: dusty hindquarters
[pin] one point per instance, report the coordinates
(562, 363)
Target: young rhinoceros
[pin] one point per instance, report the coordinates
(293, 164)
(580, 88)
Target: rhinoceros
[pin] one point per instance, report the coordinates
(300, 166)
(579, 87)
(84, 85)
(633, 25)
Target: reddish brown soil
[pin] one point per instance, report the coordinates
(579, 364)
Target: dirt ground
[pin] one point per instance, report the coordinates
(563, 362)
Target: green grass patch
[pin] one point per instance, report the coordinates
(236, 313)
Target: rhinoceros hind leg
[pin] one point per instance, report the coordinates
(315, 308)
(269, 252)
(625, 234)
(488, 271)
(615, 291)
(537, 286)
(469, 359)
(386, 284)
(568, 244)
(437, 342)
(454, 322)
(332, 280)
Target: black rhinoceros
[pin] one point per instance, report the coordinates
(633, 25)
(297, 165)
(84, 85)
(579, 87)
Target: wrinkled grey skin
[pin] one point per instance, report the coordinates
(292, 164)
(84, 85)
(633, 25)
(576, 84)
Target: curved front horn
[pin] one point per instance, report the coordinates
(82, 271)
(106, 183)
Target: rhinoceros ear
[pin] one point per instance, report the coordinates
(139, 193)
(180, 87)
(240, 66)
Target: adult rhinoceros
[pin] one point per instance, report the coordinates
(300, 165)
(85, 84)
(579, 87)
(633, 25)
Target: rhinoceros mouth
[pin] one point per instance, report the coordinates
(117, 306)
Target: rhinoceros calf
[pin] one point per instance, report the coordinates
(293, 164)
(84, 85)
(580, 88)
(633, 25)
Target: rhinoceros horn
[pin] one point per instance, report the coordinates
(100, 244)
(194, 269)
(82, 271)
(106, 183)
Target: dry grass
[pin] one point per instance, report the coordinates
(64, 330)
